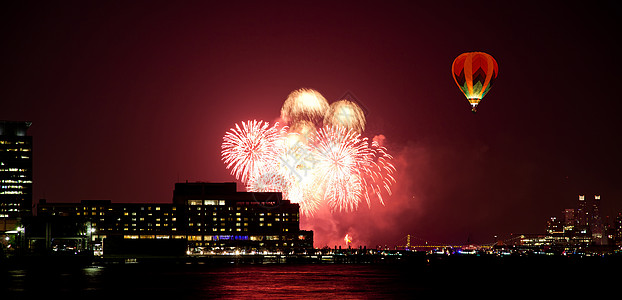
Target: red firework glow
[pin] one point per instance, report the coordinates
(347, 239)
(334, 165)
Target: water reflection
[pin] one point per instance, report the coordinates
(285, 281)
(206, 282)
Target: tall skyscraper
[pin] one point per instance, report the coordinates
(617, 229)
(569, 220)
(583, 216)
(596, 224)
(15, 171)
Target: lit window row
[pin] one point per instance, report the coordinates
(13, 187)
(206, 202)
(15, 181)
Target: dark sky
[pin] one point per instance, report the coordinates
(128, 98)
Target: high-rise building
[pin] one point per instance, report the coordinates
(583, 217)
(569, 219)
(596, 224)
(15, 171)
(617, 229)
(554, 226)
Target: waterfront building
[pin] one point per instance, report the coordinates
(55, 234)
(118, 220)
(208, 217)
(220, 218)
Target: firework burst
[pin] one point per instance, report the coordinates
(310, 164)
(304, 105)
(347, 114)
(341, 155)
(249, 149)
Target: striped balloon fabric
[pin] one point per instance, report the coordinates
(474, 73)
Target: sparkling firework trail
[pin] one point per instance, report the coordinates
(251, 148)
(341, 156)
(379, 174)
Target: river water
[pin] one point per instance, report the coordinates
(306, 281)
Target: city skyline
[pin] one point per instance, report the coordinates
(126, 100)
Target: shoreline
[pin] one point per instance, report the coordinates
(410, 258)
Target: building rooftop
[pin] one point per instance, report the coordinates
(14, 128)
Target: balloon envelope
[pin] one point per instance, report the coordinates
(474, 73)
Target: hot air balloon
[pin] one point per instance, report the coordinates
(474, 73)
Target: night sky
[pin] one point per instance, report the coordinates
(127, 99)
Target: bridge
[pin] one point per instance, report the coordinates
(411, 242)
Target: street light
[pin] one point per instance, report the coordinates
(20, 243)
